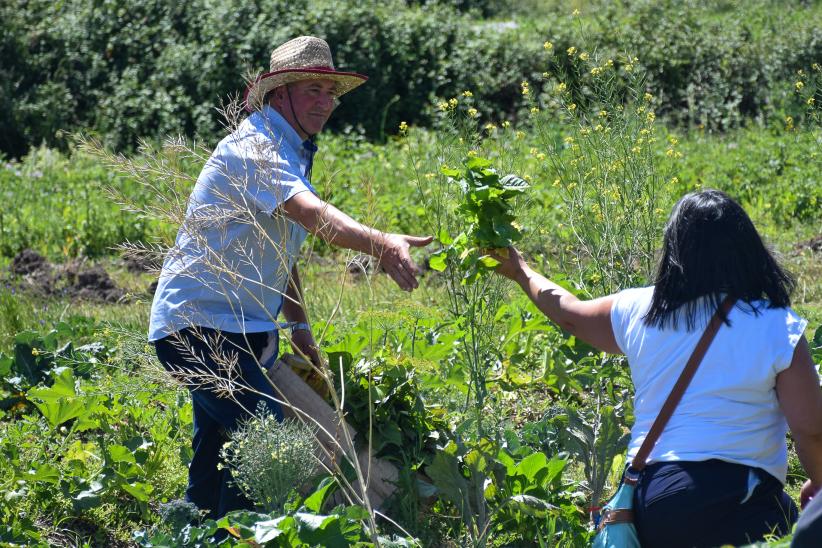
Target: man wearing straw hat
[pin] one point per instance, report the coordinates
(233, 268)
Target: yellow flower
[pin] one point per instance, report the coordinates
(452, 103)
(572, 106)
(403, 128)
(644, 131)
(815, 66)
(609, 63)
(583, 56)
(560, 88)
(556, 182)
(467, 93)
(546, 75)
(575, 13)
(650, 117)
(520, 135)
(541, 156)
(534, 110)
(596, 71)
(598, 127)
(443, 105)
(527, 177)
(799, 85)
(490, 127)
(811, 101)
(533, 151)
(669, 153)
(636, 150)
(524, 87)
(789, 122)
(569, 139)
(429, 176)
(674, 180)
(584, 131)
(603, 113)
(673, 140)
(506, 124)
(629, 67)
(571, 51)
(648, 97)
(472, 112)
(472, 153)
(548, 46)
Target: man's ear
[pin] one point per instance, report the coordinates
(276, 97)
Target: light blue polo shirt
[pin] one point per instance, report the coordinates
(230, 265)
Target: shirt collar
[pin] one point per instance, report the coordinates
(278, 125)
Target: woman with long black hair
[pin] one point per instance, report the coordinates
(716, 474)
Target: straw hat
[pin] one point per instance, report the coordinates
(303, 58)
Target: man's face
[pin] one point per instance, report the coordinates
(312, 102)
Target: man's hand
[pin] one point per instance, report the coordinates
(303, 344)
(809, 490)
(395, 258)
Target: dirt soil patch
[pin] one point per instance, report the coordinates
(814, 244)
(73, 279)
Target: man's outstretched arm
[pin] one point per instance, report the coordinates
(335, 227)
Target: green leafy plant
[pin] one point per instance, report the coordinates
(487, 212)
(270, 459)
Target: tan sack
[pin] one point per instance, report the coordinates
(302, 402)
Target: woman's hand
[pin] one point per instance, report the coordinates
(511, 262)
(809, 490)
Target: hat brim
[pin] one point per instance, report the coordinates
(256, 90)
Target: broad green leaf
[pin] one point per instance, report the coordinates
(488, 261)
(268, 530)
(121, 453)
(531, 465)
(437, 261)
(138, 490)
(315, 500)
(62, 410)
(444, 237)
(532, 505)
(477, 163)
(44, 472)
(89, 498)
(444, 471)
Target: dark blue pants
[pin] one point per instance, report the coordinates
(210, 488)
(708, 503)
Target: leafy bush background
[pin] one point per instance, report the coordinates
(150, 68)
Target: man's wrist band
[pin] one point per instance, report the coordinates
(300, 326)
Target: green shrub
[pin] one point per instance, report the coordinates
(150, 68)
(270, 459)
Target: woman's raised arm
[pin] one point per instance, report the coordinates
(586, 320)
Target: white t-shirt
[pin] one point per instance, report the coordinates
(730, 410)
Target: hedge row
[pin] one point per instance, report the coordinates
(151, 68)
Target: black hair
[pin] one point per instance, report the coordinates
(711, 248)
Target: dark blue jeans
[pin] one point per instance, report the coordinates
(210, 488)
(708, 503)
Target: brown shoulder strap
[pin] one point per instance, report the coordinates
(681, 385)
